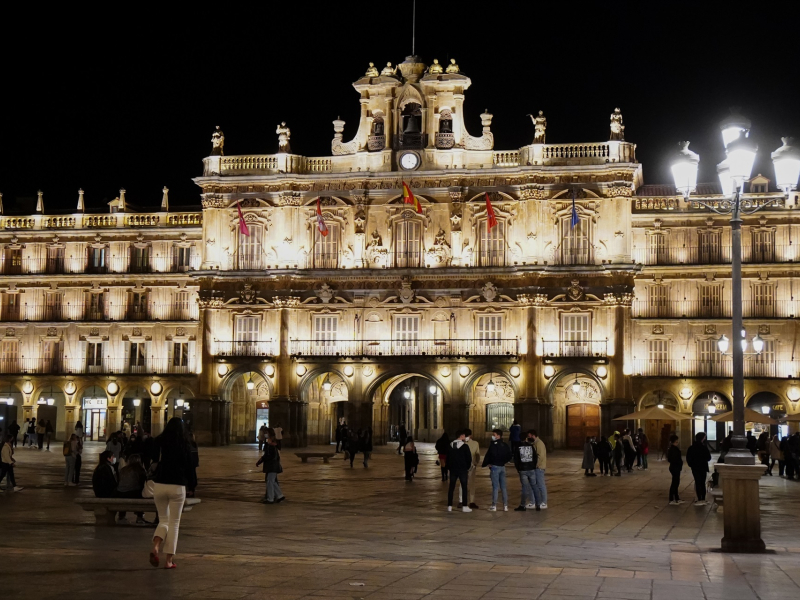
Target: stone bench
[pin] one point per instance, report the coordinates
(325, 456)
(716, 497)
(105, 509)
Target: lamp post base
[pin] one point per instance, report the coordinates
(742, 514)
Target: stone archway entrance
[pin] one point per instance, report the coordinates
(583, 420)
(576, 410)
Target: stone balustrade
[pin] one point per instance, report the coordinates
(142, 220)
(59, 222)
(19, 223)
(100, 221)
(506, 159)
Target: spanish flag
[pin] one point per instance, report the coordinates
(491, 220)
(410, 198)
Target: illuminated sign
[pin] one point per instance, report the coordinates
(95, 402)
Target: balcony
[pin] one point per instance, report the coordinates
(178, 261)
(687, 309)
(445, 141)
(715, 255)
(376, 143)
(583, 256)
(86, 311)
(575, 349)
(398, 348)
(243, 349)
(722, 367)
(70, 365)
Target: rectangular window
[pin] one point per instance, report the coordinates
(762, 246)
(406, 334)
(710, 358)
(55, 260)
(140, 259)
(491, 252)
(325, 330)
(490, 330)
(657, 249)
(576, 243)
(11, 304)
(97, 260)
(246, 329)
(657, 301)
(575, 334)
(251, 251)
(182, 310)
(9, 356)
(499, 415)
(52, 307)
(95, 311)
(763, 304)
(407, 243)
(138, 355)
(51, 357)
(180, 354)
(12, 261)
(181, 258)
(94, 355)
(137, 307)
(709, 249)
(326, 248)
(711, 300)
(658, 356)
(762, 365)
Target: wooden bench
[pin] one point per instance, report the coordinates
(325, 456)
(105, 509)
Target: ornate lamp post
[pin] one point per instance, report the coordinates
(739, 473)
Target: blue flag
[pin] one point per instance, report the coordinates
(574, 220)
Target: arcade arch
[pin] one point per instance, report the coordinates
(249, 391)
(576, 396)
(328, 396)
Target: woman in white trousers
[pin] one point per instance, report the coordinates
(175, 471)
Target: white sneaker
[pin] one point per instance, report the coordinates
(698, 503)
(466, 509)
(543, 505)
(18, 488)
(449, 509)
(492, 508)
(505, 508)
(530, 505)
(674, 503)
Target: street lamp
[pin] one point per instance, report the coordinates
(576, 385)
(433, 389)
(712, 408)
(733, 172)
(765, 410)
(490, 386)
(326, 384)
(407, 394)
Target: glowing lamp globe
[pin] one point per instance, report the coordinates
(712, 408)
(722, 343)
(765, 410)
(725, 181)
(758, 344)
(251, 385)
(660, 406)
(327, 385)
(490, 387)
(407, 394)
(684, 169)
(433, 389)
(576, 386)
(733, 125)
(786, 161)
(741, 156)
(137, 402)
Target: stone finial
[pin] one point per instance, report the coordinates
(81, 204)
(39, 201)
(165, 199)
(453, 66)
(486, 120)
(372, 71)
(338, 128)
(122, 200)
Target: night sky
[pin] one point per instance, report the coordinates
(131, 101)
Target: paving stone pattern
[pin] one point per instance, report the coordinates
(367, 533)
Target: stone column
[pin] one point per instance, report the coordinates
(741, 509)
(156, 419)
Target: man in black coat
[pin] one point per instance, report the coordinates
(459, 461)
(697, 457)
(104, 478)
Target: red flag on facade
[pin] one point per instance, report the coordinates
(410, 198)
(491, 220)
(242, 225)
(323, 229)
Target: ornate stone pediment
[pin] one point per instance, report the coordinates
(489, 291)
(575, 291)
(406, 293)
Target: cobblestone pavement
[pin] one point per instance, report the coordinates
(366, 533)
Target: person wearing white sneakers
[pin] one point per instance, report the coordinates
(496, 458)
(675, 468)
(697, 457)
(459, 461)
(540, 489)
(7, 465)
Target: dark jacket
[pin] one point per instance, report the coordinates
(442, 446)
(674, 459)
(271, 459)
(175, 465)
(618, 450)
(497, 455)
(513, 433)
(697, 457)
(131, 479)
(366, 442)
(525, 457)
(104, 481)
(603, 450)
(459, 459)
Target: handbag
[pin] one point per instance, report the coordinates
(150, 483)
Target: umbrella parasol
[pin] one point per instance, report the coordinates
(656, 414)
(750, 416)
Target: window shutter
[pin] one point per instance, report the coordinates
(192, 353)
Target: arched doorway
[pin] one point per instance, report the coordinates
(704, 408)
(10, 399)
(328, 398)
(94, 413)
(773, 406)
(249, 393)
(659, 430)
(415, 400)
(178, 403)
(576, 409)
(136, 408)
(50, 406)
(492, 397)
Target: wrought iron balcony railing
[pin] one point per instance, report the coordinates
(86, 311)
(81, 365)
(426, 347)
(575, 348)
(681, 309)
(715, 255)
(234, 348)
(720, 367)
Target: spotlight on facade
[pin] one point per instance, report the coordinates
(765, 410)
(463, 370)
(222, 370)
(602, 372)
(793, 394)
(348, 371)
(270, 370)
(712, 408)
(549, 371)
(301, 370)
(137, 402)
(433, 390)
(445, 371)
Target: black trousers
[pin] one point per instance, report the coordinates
(700, 483)
(78, 463)
(605, 465)
(40, 440)
(676, 482)
(454, 479)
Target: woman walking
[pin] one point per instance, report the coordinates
(410, 458)
(675, 468)
(775, 454)
(697, 457)
(588, 458)
(79, 430)
(7, 465)
(272, 467)
(442, 447)
(174, 473)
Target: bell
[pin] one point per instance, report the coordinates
(412, 124)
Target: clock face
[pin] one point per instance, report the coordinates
(409, 161)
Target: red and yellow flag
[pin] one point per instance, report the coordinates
(410, 198)
(491, 220)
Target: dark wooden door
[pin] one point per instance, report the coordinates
(582, 420)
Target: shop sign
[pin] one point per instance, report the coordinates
(95, 402)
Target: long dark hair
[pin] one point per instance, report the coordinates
(174, 433)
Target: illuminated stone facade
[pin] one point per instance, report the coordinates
(434, 320)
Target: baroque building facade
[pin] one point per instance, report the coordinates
(593, 296)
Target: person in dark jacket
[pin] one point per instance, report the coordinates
(496, 458)
(339, 429)
(354, 446)
(271, 462)
(618, 454)
(174, 474)
(514, 433)
(459, 462)
(675, 467)
(752, 444)
(410, 458)
(603, 451)
(131, 483)
(697, 457)
(104, 478)
(366, 445)
(588, 457)
(402, 436)
(442, 448)
(14, 431)
(525, 461)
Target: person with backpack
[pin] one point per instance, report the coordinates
(496, 458)
(459, 462)
(525, 461)
(675, 467)
(697, 457)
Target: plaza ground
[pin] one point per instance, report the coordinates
(366, 533)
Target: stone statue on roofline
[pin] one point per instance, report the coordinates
(372, 71)
(617, 128)
(539, 127)
(388, 71)
(284, 133)
(218, 143)
(453, 67)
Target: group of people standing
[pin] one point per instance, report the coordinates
(353, 441)
(785, 451)
(615, 453)
(35, 432)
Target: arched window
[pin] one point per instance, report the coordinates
(377, 126)
(491, 244)
(407, 243)
(411, 127)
